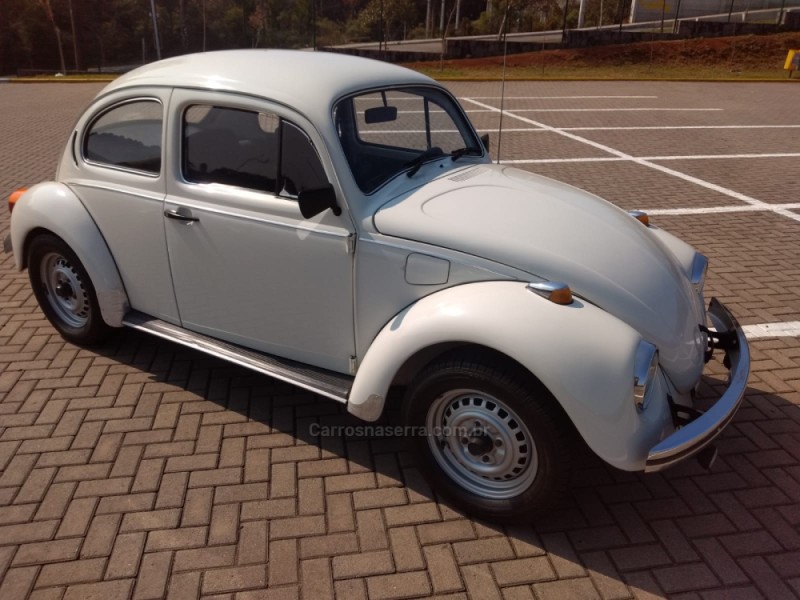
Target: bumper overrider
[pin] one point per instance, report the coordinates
(698, 433)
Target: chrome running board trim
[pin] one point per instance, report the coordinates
(320, 381)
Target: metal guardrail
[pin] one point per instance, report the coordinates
(557, 36)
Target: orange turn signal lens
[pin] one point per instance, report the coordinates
(555, 291)
(640, 216)
(12, 199)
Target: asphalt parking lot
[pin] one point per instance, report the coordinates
(144, 470)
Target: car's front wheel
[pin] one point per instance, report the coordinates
(64, 291)
(494, 442)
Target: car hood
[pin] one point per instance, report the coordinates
(560, 233)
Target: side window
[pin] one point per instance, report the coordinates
(127, 136)
(230, 146)
(301, 168)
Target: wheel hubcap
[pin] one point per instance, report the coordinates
(481, 444)
(65, 291)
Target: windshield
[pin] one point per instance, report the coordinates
(388, 132)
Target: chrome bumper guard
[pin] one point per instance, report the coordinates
(697, 434)
(7, 244)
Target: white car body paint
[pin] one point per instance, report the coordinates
(54, 207)
(593, 385)
(438, 257)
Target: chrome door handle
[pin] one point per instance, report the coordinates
(181, 214)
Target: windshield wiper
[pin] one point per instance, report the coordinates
(456, 154)
(415, 164)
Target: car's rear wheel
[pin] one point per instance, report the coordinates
(64, 290)
(496, 443)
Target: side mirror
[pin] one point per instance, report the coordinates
(485, 141)
(380, 114)
(314, 201)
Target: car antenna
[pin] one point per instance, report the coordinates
(503, 83)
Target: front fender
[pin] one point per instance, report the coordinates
(582, 354)
(54, 207)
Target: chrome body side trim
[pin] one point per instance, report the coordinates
(258, 219)
(119, 189)
(320, 381)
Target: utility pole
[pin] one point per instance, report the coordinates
(676, 24)
(74, 37)
(155, 28)
(581, 13)
(564, 26)
(428, 20)
(381, 39)
(441, 19)
(314, 24)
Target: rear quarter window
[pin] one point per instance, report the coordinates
(127, 136)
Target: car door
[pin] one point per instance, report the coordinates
(119, 173)
(246, 266)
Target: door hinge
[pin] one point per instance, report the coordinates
(350, 241)
(353, 365)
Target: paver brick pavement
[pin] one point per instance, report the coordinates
(142, 470)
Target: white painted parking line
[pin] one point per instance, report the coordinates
(724, 156)
(724, 209)
(560, 97)
(514, 130)
(767, 330)
(524, 161)
(594, 110)
(645, 163)
(669, 127)
(505, 130)
(591, 110)
(544, 161)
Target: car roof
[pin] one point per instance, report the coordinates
(308, 81)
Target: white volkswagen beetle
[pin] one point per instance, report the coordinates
(336, 223)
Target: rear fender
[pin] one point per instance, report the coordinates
(54, 207)
(582, 354)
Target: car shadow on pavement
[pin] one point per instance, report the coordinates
(622, 529)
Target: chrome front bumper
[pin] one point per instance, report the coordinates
(692, 437)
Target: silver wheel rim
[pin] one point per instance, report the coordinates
(65, 291)
(481, 444)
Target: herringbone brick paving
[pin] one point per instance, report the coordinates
(142, 470)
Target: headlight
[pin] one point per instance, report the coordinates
(644, 371)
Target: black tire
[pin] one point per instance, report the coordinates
(491, 404)
(64, 291)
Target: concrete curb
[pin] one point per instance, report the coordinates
(677, 79)
(60, 80)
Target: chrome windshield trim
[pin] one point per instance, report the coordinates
(696, 435)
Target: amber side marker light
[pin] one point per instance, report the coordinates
(12, 199)
(555, 291)
(640, 216)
